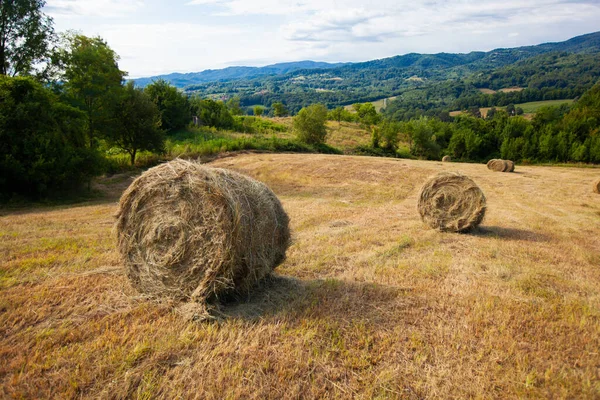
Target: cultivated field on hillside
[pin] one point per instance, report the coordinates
(528, 108)
(369, 303)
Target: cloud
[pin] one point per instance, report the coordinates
(387, 20)
(151, 49)
(95, 8)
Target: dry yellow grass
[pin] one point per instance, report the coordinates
(369, 304)
(345, 136)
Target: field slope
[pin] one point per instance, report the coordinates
(369, 303)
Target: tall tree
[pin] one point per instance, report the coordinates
(92, 80)
(309, 124)
(136, 123)
(25, 36)
(173, 105)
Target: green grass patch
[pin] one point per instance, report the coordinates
(534, 106)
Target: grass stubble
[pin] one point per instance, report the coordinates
(370, 303)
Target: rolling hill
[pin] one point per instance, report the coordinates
(399, 76)
(182, 80)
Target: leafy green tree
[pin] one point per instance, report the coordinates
(212, 113)
(42, 141)
(92, 80)
(387, 135)
(279, 109)
(423, 139)
(258, 110)
(173, 105)
(233, 105)
(309, 124)
(510, 109)
(25, 36)
(136, 123)
(367, 114)
(336, 115)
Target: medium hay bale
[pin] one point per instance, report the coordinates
(446, 159)
(190, 232)
(497, 165)
(597, 186)
(451, 202)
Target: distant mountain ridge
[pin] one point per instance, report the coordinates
(182, 80)
(473, 61)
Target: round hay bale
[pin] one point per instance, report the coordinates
(510, 166)
(451, 202)
(191, 232)
(497, 165)
(446, 159)
(597, 186)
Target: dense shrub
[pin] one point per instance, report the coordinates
(42, 141)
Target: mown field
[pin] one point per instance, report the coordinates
(369, 303)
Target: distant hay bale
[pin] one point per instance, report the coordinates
(501, 165)
(451, 202)
(446, 159)
(597, 186)
(191, 232)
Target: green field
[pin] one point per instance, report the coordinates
(528, 108)
(533, 106)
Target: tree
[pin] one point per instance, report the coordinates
(173, 105)
(25, 36)
(279, 109)
(258, 110)
(136, 123)
(92, 80)
(309, 124)
(212, 113)
(42, 141)
(423, 142)
(337, 114)
(367, 114)
(233, 105)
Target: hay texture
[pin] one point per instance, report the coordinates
(501, 165)
(451, 202)
(446, 159)
(597, 186)
(510, 166)
(190, 232)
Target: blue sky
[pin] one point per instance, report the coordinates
(155, 37)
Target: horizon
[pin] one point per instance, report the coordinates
(188, 36)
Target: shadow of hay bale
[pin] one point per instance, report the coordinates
(330, 298)
(498, 232)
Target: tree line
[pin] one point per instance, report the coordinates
(564, 133)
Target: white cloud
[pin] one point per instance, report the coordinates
(97, 8)
(151, 49)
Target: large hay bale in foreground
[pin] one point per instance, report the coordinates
(597, 186)
(451, 202)
(446, 159)
(191, 232)
(501, 165)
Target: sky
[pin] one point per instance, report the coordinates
(155, 37)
